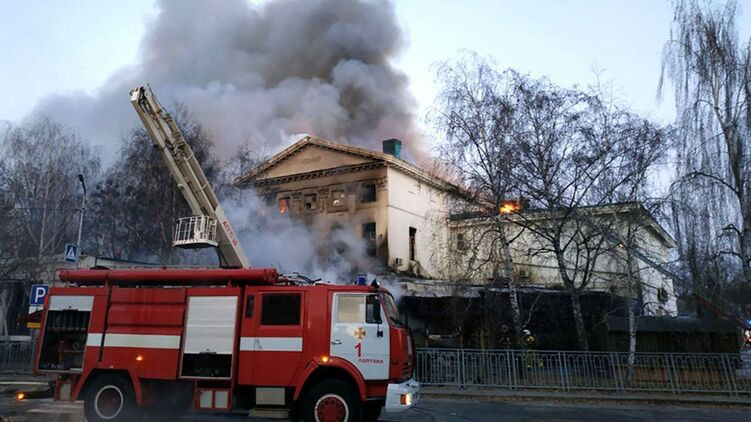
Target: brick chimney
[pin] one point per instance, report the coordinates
(393, 146)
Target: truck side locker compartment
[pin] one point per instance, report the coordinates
(210, 333)
(65, 331)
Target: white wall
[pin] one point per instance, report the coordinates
(412, 203)
(541, 269)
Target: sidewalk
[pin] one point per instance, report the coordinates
(662, 398)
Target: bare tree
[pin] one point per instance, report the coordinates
(711, 199)
(566, 151)
(40, 163)
(137, 203)
(577, 153)
(477, 144)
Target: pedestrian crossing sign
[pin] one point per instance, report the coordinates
(71, 253)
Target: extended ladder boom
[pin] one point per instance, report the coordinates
(188, 174)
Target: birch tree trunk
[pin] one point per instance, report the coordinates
(576, 308)
(508, 269)
(632, 291)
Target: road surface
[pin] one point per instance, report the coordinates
(434, 410)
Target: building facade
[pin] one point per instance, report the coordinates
(408, 221)
(395, 206)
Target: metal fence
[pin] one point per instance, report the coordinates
(16, 356)
(675, 373)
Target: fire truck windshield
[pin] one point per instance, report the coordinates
(391, 310)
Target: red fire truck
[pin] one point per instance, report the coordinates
(135, 341)
(229, 338)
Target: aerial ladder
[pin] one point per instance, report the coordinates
(208, 226)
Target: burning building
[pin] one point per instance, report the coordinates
(398, 209)
(408, 222)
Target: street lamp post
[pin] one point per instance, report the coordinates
(80, 217)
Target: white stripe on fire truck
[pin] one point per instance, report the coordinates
(94, 339)
(271, 344)
(143, 341)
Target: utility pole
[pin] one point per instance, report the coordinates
(80, 217)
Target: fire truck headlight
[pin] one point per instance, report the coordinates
(20, 396)
(139, 358)
(325, 359)
(406, 399)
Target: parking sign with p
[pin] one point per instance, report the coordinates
(38, 293)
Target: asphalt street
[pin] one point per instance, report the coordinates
(438, 410)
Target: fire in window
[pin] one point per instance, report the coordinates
(311, 202)
(367, 193)
(284, 205)
(412, 236)
(337, 198)
(369, 234)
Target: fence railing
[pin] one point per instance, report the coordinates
(675, 373)
(16, 356)
(514, 369)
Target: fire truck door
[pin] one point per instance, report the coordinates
(360, 335)
(271, 342)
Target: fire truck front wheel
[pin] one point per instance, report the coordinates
(110, 398)
(331, 401)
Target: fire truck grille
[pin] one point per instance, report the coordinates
(407, 369)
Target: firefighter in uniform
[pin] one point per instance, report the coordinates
(530, 355)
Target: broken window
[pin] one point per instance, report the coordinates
(337, 198)
(367, 193)
(369, 234)
(311, 202)
(284, 205)
(460, 242)
(412, 236)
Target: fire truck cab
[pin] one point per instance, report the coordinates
(129, 342)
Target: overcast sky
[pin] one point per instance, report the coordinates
(56, 47)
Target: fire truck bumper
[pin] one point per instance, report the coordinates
(403, 396)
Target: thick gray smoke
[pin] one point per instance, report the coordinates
(273, 240)
(262, 74)
(281, 242)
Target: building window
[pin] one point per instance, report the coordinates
(280, 309)
(662, 295)
(369, 234)
(284, 205)
(412, 236)
(311, 202)
(367, 193)
(337, 198)
(460, 242)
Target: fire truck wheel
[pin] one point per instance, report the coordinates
(331, 401)
(110, 398)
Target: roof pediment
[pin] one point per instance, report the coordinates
(311, 154)
(311, 157)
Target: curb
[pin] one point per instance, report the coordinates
(495, 394)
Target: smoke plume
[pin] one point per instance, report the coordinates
(262, 74)
(279, 241)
